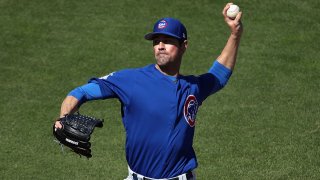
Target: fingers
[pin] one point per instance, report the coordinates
(229, 20)
(238, 17)
(58, 125)
(225, 9)
(234, 24)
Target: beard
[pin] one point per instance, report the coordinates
(162, 59)
(167, 64)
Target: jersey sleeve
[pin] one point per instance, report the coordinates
(117, 84)
(216, 78)
(90, 91)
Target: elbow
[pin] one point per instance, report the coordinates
(223, 82)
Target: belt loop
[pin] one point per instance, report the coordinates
(191, 175)
(134, 176)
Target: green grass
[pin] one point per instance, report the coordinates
(265, 124)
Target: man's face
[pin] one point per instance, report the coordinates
(167, 50)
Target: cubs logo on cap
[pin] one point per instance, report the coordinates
(170, 27)
(162, 24)
(190, 110)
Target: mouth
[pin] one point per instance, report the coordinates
(162, 57)
(162, 53)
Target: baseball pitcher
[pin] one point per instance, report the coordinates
(158, 104)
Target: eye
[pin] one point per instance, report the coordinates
(156, 42)
(169, 41)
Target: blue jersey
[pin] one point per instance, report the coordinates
(158, 113)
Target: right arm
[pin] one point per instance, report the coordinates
(221, 70)
(228, 55)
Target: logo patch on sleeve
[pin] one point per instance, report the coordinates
(190, 110)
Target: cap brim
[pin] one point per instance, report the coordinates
(151, 36)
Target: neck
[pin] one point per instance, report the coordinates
(169, 71)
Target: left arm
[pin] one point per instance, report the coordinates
(228, 55)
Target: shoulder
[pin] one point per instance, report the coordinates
(136, 70)
(189, 79)
(125, 73)
(198, 80)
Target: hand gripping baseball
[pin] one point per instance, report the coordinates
(235, 24)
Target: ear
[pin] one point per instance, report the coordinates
(184, 45)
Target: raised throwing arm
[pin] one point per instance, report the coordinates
(228, 55)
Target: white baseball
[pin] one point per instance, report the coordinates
(233, 11)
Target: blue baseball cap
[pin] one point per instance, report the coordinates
(168, 26)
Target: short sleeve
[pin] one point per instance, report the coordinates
(120, 83)
(214, 80)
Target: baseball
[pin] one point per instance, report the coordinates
(233, 11)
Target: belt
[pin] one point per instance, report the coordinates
(188, 175)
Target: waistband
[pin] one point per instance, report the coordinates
(190, 175)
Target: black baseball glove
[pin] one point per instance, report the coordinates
(76, 131)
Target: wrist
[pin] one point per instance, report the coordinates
(63, 115)
(235, 36)
(58, 119)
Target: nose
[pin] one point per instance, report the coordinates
(161, 46)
